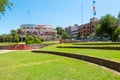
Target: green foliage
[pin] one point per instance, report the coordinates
(42, 39)
(16, 38)
(32, 40)
(98, 30)
(59, 30)
(119, 18)
(62, 33)
(107, 26)
(4, 4)
(65, 35)
(116, 34)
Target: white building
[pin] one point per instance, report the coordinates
(74, 31)
(43, 31)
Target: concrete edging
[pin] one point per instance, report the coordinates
(103, 62)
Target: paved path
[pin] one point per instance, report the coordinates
(5, 51)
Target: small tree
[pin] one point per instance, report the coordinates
(59, 30)
(65, 35)
(116, 34)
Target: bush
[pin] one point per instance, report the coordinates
(42, 39)
(33, 40)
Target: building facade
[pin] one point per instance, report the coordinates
(68, 30)
(43, 31)
(72, 30)
(88, 28)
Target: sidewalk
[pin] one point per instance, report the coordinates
(5, 51)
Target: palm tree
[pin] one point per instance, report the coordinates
(4, 4)
(19, 32)
(13, 33)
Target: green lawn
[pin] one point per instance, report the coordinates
(26, 65)
(50, 42)
(6, 44)
(107, 54)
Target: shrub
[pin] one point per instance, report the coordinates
(42, 39)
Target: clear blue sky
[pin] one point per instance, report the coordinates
(54, 12)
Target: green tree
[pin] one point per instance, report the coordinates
(60, 30)
(13, 32)
(4, 4)
(16, 38)
(107, 26)
(15, 35)
(119, 18)
(116, 34)
(19, 32)
(65, 35)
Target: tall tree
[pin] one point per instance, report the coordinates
(116, 35)
(107, 26)
(60, 30)
(65, 35)
(13, 32)
(4, 4)
(19, 33)
(119, 18)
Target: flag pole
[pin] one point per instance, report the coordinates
(94, 12)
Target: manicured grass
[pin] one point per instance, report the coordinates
(50, 42)
(106, 54)
(7, 44)
(25, 65)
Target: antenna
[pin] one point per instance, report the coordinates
(81, 14)
(82, 17)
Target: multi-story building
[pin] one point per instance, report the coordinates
(72, 30)
(43, 31)
(68, 30)
(88, 28)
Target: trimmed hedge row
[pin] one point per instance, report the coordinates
(91, 47)
(107, 63)
(113, 43)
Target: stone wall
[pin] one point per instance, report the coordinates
(5, 47)
(37, 46)
(107, 63)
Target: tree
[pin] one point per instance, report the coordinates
(65, 35)
(19, 32)
(4, 4)
(59, 30)
(13, 32)
(98, 31)
(107, 26)
(15, 36)
(119, 18)
(116, 34)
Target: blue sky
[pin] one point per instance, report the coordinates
(54, 12)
